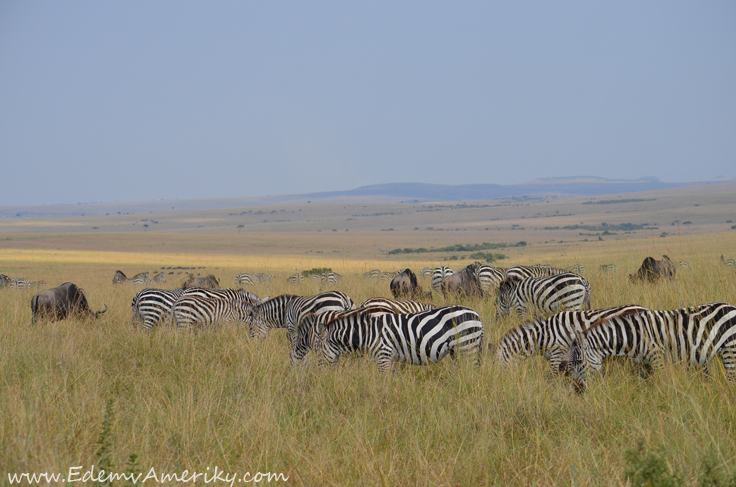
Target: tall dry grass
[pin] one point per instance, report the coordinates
(192, 400)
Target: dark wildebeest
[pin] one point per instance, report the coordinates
(59, 302)
(652, 270)
(405, 284)
(465, 280)
(210, 282)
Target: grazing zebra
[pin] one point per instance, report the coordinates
(252, 279)
(373, 274)
(561, 292)
(139, 279)
(205, 307)
(576, 268)
(329, 277)
(522, 272)
(153, 306)
(489, 277)
(286, 311)
(693, 336)
(296, 278)
(426, 271)
(158, 278)
(609, 268)
(388, 276)
(22, 283)
(552, 337)
(727, 262)
(417, 338)
(438, 277)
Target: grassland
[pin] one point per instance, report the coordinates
(212, 397)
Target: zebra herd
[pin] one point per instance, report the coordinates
(573, 337)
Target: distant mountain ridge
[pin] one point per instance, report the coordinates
(390, 192)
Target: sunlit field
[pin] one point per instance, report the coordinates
(211, 397)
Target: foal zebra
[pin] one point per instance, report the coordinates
(205, 307)
(417, 338)
(438, 277)
(552, 337)
(286, 311)
(551, 294)
(693, 336)
(153, 306)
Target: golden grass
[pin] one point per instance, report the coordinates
(212, 397)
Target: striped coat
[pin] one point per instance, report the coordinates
(205, 307)
(693, 336)
(153, 306)
(417, 338)
(551, 294)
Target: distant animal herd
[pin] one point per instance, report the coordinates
(565, 330)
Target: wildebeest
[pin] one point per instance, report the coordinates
(465, 280)
(60, 302)
(120, 277)
(210, 282)
(405, 284)
(652, 269)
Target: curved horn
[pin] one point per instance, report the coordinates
(98, 313)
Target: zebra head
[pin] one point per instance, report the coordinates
(505, 296)
(256, 319)
(576, 362)
(304, 339)
(325, 353)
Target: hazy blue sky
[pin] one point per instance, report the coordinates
(122, 101)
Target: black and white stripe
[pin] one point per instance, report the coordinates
(396, 306)
(608, 268)
(153, 306)
(727, 262)
(286, 311)
(205, 307)
(426, 271)
(552, 337)
(693, 336)
(372, 274)
(522, 272)
(489, 277)
(296, 278)
(561, 292)
(20, 283)
(438, 276)
(418, 338)
(252, 279)
(576, 268)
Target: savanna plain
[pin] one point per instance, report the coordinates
(101, 392)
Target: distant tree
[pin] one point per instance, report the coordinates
(145, 226)
(240, 227)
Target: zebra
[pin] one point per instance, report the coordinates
(388, 276)
(250, 279)
(416, 338)
(152, 306)
(552, 337)
(286, 311)
(438, 277)
(372, 274)
(522, 272)
(20, 283)
(205, 307)
(295, 278)
(139, 279)
(426, 271)
(4, 280)
(305, 333)
(727, 262)
(684, 264)
(551, 294)
(693, 335)
(489, 277)
(609, 268)
(331, 277)
(576, 268)
(158, 278)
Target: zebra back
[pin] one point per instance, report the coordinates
(489, 277)
(552, 337)
(268, 314)
(295, 278)
(693, 335)
(608, 268)
(152, 306)
(20, 283)
(318, 304)
(522, 272)
(396, 306)
(372, 274)
(551, 294)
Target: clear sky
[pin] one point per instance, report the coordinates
(141, 100)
